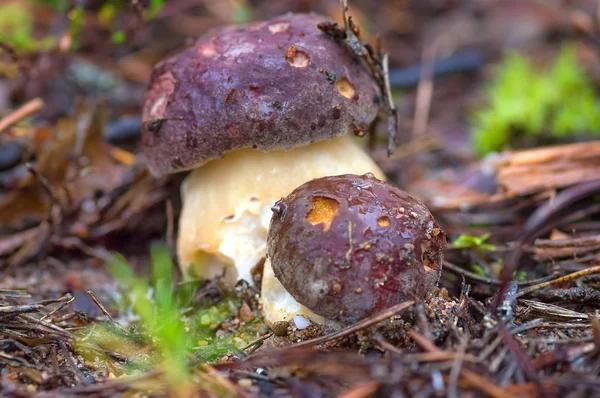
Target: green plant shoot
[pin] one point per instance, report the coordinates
(471, 242)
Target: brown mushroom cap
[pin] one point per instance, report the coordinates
(281, 83)
(349, 246)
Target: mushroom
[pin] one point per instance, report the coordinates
(345, 247)
(253, 111)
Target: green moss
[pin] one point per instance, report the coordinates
(478, 269)
(210, 319)
(173, 332)
(16, 28)
(526, 106)
(211, 347)
(118, 37)
(519, 276)
(211, 343)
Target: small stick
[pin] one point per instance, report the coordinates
(423, 342)
(74, 242)
(13, 309)
(54, 360)
(365, 323)
(562, 279)
(424, 91)
(422, 321)
(222, 381)
(257, 341)
(14, 293)
(442, 356)
(457, 367)
(69, 359)
(522, 359)
(473, 378)
(25, 110)
(432, 356)
(60, 307)
(104, 310)
(392, 112)
(52, 327)
(100, 305)
(491, 281)
(351, 246)
(387, 346)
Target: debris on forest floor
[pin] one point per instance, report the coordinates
(78, 189)
(522, 181)
(535, 170)
(525, 174)
(516, 309)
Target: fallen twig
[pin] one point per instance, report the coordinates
(22, 293)
(363, 324)
(537, 221)
(100, 305)
(562, 279)
(490, 281)
(473, 378)
(60, 307)
(33, 307)
(25, 110)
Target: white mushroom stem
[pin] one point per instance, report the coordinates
(279, 305)
(227, 206)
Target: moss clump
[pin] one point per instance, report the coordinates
(173, 332)
(527, 107)
(16, 29)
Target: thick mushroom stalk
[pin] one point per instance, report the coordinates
(349, 246)
(279, 305)
(227, 203)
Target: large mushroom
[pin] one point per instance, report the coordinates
(254, 111)
(345, 247)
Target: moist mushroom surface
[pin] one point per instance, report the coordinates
(348, 246)
(280, 83)
(254, 111)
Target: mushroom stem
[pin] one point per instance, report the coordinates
(280, 305)
(227, 202)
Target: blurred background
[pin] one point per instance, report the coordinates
(62, 50)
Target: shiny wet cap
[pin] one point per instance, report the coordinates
(349, 246)
(276, 84)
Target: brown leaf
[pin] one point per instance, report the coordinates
(76, 162)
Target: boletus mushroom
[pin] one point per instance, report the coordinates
(253, 111)
(348, 246)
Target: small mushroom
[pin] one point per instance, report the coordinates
(254, 111)
(345, 247)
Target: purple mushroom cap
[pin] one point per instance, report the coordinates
(349, 246)
(276, 84)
